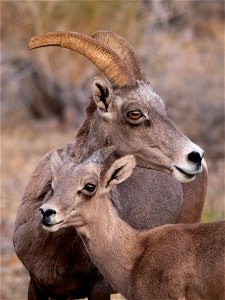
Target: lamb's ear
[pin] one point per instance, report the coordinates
(55, 162)
(120, 170)
(102, 95)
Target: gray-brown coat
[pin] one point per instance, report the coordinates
(130, 115)
(183, 261)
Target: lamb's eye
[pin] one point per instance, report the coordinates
(134, 114)
(89, 187)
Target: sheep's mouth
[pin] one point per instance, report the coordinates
(181, 175)
(187, 175)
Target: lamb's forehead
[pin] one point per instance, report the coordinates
(73, 176)
(144, 93)
(82, 170)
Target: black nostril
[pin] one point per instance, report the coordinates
(194, 157)
(48, 212)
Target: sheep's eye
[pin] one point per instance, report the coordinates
(89, 187)
(135, 114)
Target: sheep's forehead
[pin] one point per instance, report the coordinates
(144, 94)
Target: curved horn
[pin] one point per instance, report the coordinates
(104, 58)
(124, 49)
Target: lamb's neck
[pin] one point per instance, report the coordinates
(112, 244)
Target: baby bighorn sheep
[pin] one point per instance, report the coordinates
(183, 261)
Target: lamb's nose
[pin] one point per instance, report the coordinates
(46, 216)
(195, 157)
(47, 213)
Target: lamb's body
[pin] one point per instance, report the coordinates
(182, 261)
(168, 262)
(70, 271)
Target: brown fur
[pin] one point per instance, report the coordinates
(148, 214)
(55, 270)
(169, 262)
(181, 261)
(82, 133)
(160, 199)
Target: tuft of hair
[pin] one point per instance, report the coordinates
(84, 129)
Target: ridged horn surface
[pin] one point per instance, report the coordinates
(124, 49)
(104, 58)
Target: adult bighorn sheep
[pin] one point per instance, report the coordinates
(182, 261)
(129, 114)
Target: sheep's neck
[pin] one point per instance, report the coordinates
(112, 244)
(93, 140)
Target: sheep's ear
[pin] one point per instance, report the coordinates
(120, 170)
(102, 95)
(55, 162)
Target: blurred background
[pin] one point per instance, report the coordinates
(44, 91)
